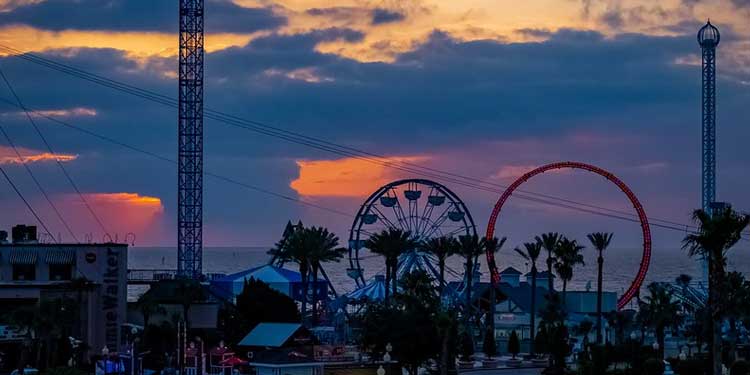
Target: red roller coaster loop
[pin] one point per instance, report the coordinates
(645, 259)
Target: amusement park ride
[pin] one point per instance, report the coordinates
(428, 209)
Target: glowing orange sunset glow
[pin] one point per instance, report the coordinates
(8, 156)
(121, 212)
(347, 177)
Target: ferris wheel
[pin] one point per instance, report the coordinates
(424, 208)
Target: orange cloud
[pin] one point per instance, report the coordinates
(8, 156)
(347, 177)
(130, 199)
(137, 45)
(121, 213)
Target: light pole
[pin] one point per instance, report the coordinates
(133, 339)
(633, 359)
(201, 356)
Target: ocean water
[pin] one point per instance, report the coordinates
(620, 265)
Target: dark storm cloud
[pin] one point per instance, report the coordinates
(381, 16)
(443, 92)
(143, 15)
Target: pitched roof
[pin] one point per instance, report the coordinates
(270, 334)
(266, 273)
(521, 296)
(540, 275)
(510, 271)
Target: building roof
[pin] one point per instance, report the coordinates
(373, 291)
(266, 273)
(540, 275)
(64, 245)
(521, 296)
(270, 334)
(510, 271)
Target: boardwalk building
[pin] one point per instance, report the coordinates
(89, 277)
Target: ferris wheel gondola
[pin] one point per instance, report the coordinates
(424, 208)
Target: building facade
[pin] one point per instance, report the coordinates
(92, 275)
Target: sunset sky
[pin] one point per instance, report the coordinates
(483, 88)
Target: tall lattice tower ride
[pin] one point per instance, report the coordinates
(708, 38)
(190, 153)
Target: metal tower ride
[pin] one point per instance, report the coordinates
(708, 38)
(190, 154)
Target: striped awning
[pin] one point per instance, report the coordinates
(23, 257)
(59, 257)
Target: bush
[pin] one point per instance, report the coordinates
(514, 345)
(691, 366)
(740, 367)
(467, 346)
(653, 366)
(64, 371)
(490, 346)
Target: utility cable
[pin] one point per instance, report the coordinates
(22, 160)
(53, 154)
(299, 138)
(18, 192)
(172, 161)
(331, 147)
(268, 192)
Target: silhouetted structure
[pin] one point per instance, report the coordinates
(708, 38)
(190, 168)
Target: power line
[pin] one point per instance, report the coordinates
(282, 196)
(22, 160)
(342, 150)
(172, 161)
(53, 154)
(18, 192)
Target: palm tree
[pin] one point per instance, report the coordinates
(567, 256)
(550, 242)
(600, 241)
(149, 306)
(294, 248)
(188, 292)
(660, 311)
(391, 243)
(531, 253)
(717, 234)
(442, 248)
(493, 245)
(324, 247)
(470, 247)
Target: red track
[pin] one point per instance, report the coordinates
(645, 259)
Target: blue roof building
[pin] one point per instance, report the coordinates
(281, 279)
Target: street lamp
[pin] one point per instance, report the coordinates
(380, 371)
(201, 356)
(683, 356)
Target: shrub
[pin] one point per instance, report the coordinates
(490, 346)
(691, 366)
(64, 371)
(653, 366)
(740, 367)
(467, 346)
(514, 345)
